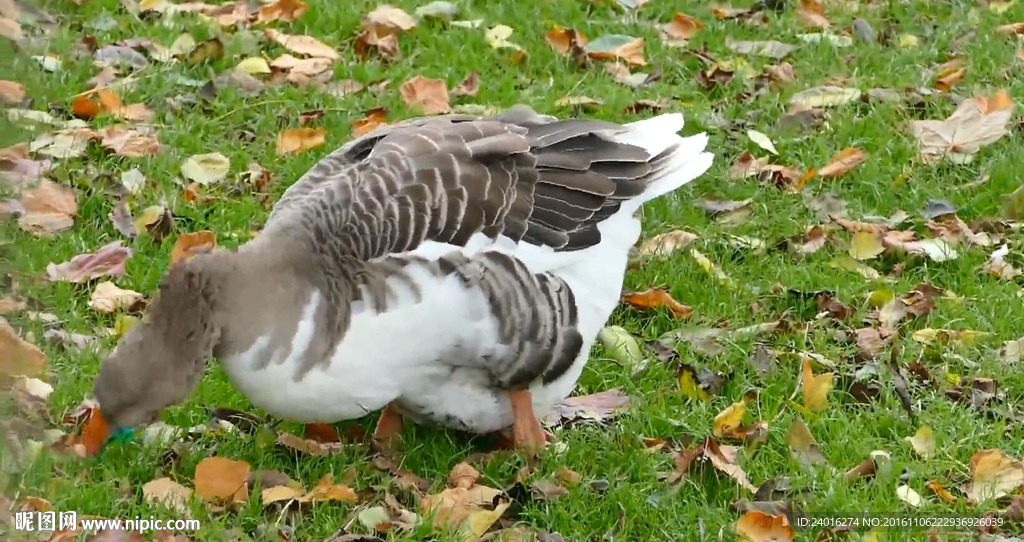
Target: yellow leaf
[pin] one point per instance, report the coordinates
(816, 388)
(728, 420)
(254, 65)
(689, 386)
(993, 475)
(923, 441)
(843, 161)
(299, 139)
(866, 245)
(755, 526)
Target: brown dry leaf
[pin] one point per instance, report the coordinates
(304, 67)
(47, 208)
(975, 123)
(815, 388)
(92, 104)
(653, 298)
(169, 493)
(722, 458)
(302, 45)
(389, 17)
(18, 168)
(454, 508)
(666, 243)
(221, 480)
(299, 139)
(994, 474)
(17, 356)
(812, 12)
(11, 92)
(757, 526)
(109, 260)
(770, 49)
(307, 446)
(950, 73)
(1012, 29)
(843, 161)
(469, 86)
(281, 10)
(617, 47)
(372, 119)
(745, 165)
(107, 298)
(327, 490)
(189, 244)
(10, 29)
(430, 95)
(598, 406)
(129, 142)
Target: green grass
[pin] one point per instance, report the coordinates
(637, 505)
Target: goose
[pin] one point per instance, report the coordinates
(451, 269)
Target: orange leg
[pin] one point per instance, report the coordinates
(527, 434)
(389, 425)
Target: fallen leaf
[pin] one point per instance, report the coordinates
(18, 357)
(109, 260)
(815, 388)
(326, 490)
(206, 169)
(47, 208)
(681, 28)
(168, 493)
(825, 96)
(975, 123)
(812, 12)
(666, 243)
(302, 45)
(909, 496)
(621, 346)
(617, 47)
(155, 220)
(599, 407)
(374, 118)
(11, 92)
(468, 86)
(722, 458)
(221, 480)
(771, 49)
(866, 245)
(763, 141)
(307, 446)
(567, 41)
(654, 298)
(429, 95)
(802, 445)
(107, 298)
(497, 37)
(993, 475)
(1011, 351)
(299, 139)
(923, 442)
(756, 526)
(438, 9)
(10, 29)
(253, 65)
(281, 10)
(129, 142)
(843, 162)
(189, 244)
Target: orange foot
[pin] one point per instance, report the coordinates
(527, 434)
(389, 426)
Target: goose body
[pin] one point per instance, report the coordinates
(435, 265)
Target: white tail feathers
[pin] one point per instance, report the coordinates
(687, 160)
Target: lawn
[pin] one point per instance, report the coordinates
(860, 251)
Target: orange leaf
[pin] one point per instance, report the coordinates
(430, 95)
(812, 12)
(327, 490)
(996, 102)
(219, 479)
(321, 432)
(11, 92)
(190, 244)
(95, 432)
(946, 79)
(85, 107)
(631, 52)
(562, 40)
(299, 139)
(653, 298)
(843, 161)
(760, 527)
(682, 27)
(374, 118)
(282, 10)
